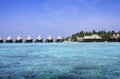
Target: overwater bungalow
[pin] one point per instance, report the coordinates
(59, 38)
(49, 39)
(1, 40)
(114, 38)
(19, 39)
(29, 39)
(39, 39)
(9, 39)
(92, 38)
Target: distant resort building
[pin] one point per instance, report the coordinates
(92, 38)
(29, 39)
(49, 39)
(19, 39)
(59, 38)
(39, 39)
(79, 39)
(68, 39)
(115, 38)
(9, 39)
(1, 40)
(112, 38)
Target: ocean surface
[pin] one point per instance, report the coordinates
(68, 60)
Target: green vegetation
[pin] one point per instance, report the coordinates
(104, 34)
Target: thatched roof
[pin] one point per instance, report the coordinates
(39, 38)
(59, 37)
(49, 37)
(95, 36)
(87, 37)
(118, 36)
(29, 38)
(1, 38)
(9, 38)
(79, 38)
(115, 36)
(19, 38)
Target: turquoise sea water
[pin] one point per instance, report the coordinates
(60, 61)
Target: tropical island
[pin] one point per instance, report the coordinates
(111, 36)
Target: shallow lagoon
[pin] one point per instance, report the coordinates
(60, 60)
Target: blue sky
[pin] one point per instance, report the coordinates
(54, 17)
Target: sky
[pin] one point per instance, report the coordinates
(57, 17)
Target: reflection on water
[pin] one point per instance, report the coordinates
(60, 61)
